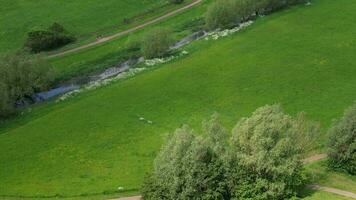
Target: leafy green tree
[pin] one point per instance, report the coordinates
(191, 166)
(222, 14)
(156, 43)
(21, 75)
(266, 154)
(342, 143)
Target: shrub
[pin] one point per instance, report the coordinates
(21, 75)
(261, 161)
(222, 14)
(156, 43)
(266, 154)
(342, 143)
(133, 44)
(43, 40)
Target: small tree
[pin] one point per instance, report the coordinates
(156, 43)
(266, 154)
(342, 143)
(190, 166)
(222, 14)
(21, 75)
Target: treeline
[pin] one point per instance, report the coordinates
(229, 13)
(261, 159)
(21, 75)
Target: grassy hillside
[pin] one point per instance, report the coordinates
(303, 58)
(112, 52)
(83, 18)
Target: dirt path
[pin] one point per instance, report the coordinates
(105, 39)
(314, 158)
(129, 198)
(333, 190)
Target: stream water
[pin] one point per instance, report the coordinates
(107, 73)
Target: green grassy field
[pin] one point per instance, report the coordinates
(303, 58)
(112, 52)
(84, 19)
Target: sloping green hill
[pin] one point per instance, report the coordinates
(85, 19)
(303, 58)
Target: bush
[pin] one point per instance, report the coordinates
(43, 40)
(222, 14)
(156, 43)
(133, 44)
(262, 160)
(21, 75)
(342, 143)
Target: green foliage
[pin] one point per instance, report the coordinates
(342, 143)
(156, 43)
(222, 14)
(227, 13)
(21, 75)
(43, 40)
(190, 166)
(133, 44)
(266, 154)
(263, 161)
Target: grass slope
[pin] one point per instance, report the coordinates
(112, 52)
(302, 58)
(84, 18)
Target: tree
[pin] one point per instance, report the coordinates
(21, 75)
(191, 166)
(156, 43)
(266, 154)
(342, 143)
(222, 14)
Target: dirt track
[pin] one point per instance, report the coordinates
(333, 190)
(105, 39)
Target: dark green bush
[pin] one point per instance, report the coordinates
(156, 43)
(342, 143)
(21, 75)
(43, 40)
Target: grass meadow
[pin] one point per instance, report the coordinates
(84, 19)
(302, 58)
